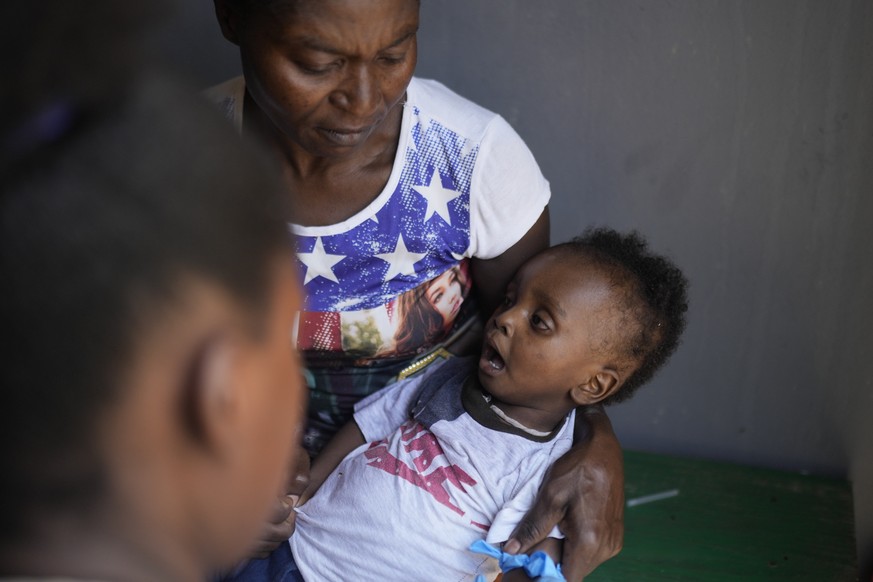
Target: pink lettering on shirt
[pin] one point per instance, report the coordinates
(417, 439)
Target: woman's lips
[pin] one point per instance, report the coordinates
(345, 136)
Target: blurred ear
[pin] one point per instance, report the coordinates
(228, 19)
(597, 387)
(210, 395)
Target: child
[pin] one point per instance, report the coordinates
(459, 456)
(150, 394)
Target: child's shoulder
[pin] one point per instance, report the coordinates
(439, 397)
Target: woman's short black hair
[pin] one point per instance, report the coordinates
(101, 223)
(654, 296)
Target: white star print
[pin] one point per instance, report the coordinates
(437, 197)
(319, 263)
(400, 261)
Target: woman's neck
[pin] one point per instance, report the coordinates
(330, 189)
(84, 551)
(378, 150)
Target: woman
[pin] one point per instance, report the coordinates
(396, 180)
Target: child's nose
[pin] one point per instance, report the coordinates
(504, 320)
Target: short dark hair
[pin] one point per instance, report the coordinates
(655, 297)
(100, 228)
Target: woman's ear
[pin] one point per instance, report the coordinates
(597, 387)
(209, 396)
(228, 19)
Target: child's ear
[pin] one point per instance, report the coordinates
(227, 19)
(597, 387)
(210, 395)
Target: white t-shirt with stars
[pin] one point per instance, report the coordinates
(463, 185)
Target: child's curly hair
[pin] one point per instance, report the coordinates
(655, 298)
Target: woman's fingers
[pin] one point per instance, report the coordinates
(278, 529)
(586, 501)
(298, 477)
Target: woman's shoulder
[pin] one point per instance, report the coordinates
(437, 102)
(228, 97)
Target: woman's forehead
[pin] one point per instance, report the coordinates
(322, 8)
(338, 26)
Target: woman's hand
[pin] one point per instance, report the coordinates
(583, 494)
(282, 519)
(278, 529)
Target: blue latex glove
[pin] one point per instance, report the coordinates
(538, 566)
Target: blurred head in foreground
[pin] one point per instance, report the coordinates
(150, 396)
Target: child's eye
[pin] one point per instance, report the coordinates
(539, 323)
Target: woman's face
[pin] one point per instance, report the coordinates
(328, 73)
(445, 295)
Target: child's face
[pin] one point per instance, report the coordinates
(549, 334)
(327, 73)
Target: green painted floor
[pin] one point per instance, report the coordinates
(730, 522)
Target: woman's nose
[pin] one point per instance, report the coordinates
(358, 94)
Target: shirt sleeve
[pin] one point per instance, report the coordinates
(508, 191)
(380, 413)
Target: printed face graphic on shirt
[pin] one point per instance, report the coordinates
(445, 294)
(422, 316)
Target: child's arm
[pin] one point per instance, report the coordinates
(345, 441)
(552, 546)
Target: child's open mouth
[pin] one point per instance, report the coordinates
(492, 358)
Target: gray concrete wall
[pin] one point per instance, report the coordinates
(735, 134)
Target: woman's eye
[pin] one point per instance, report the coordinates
(392, 59)
(316, 69)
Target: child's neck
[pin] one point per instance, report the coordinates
(535, 421)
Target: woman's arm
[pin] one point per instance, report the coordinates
(583, 494)
(491, 276)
